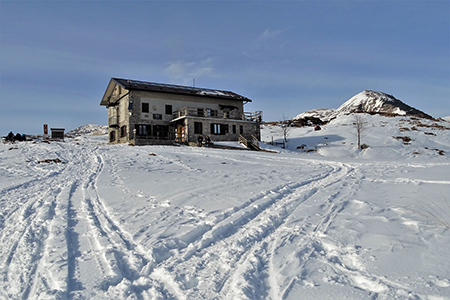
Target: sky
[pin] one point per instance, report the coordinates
(57, 57)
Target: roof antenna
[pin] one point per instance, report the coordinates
(193, 82)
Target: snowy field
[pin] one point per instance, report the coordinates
(84, 220)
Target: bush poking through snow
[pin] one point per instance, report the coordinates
(439, 214)
(440, 152)
(55, 160)
(406, 139)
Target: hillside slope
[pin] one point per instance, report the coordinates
(81, 219)
(387, 138)
(89, 129)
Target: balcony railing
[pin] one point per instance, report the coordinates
(113, 121)
(253, 116)
(219, 114)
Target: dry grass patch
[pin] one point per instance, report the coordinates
(406, 139)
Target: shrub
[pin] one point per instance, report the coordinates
(406, 139)
(439, 214)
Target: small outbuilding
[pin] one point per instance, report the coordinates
(57, 133)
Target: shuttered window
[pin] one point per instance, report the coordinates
(123, 131)
(143, 129)
(198, 127)
(219, 129)
(145, 108)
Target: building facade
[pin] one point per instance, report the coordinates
(144, 113)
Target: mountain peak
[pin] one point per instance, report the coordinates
(374, 102)
(367, 101)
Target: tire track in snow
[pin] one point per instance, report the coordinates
(111, 246)
(315, 246)
(25, 230)
(258, 258)
(63, 209)
(134, 263)
(241, 230)
(312, 229)
(41, 282)
(199, 233)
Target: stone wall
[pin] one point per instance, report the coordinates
(130, 115)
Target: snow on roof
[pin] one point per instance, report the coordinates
(177, 89)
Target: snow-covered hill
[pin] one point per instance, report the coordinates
(371, 102)
(321, 113)
(84, 220)
(89, 129)
(387, 137)
(377, 102)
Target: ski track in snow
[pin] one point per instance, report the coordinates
(61, 239)
(247, 229)
(62, 226)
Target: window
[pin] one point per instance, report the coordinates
(234, 129)
(145, 108)
(168, 109)
(142, 129)
(157, 116)
(219, 129)
(160, 131)
(198, 127)
(112, 136)
(200, 112)
(123, 131)
(241, 129)
(211, 113)
(215, 129)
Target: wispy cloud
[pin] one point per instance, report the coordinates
(183, 72)
(269, 34)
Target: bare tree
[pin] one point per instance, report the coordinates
(360, 126)
(285, 127)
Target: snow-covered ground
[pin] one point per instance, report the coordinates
(84, 220)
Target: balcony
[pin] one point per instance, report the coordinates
(113, 121)
(252, 116)
(219, 114)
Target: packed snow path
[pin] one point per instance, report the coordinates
(83, 220)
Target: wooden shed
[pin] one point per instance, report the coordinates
(57, 133)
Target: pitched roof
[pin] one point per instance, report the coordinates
(177, 89)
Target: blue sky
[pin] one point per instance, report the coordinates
(57, 57)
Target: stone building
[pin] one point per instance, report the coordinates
(145, 113)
